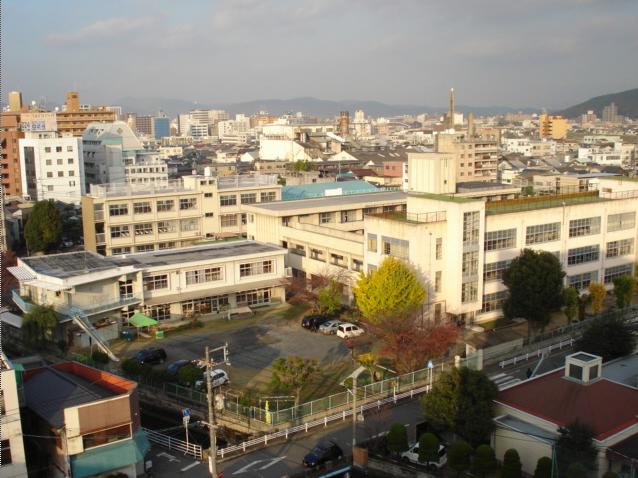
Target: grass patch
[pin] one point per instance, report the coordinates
(495, 324)
(295, 311)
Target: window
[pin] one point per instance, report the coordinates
(470, 263)
(165, 205)
(349, 216)
(60, 174)
(6, 453)
(298, 250)
(255, 268)
(143, 229)
(69, 161)
(372, 242)
(622, 221)
(142, 207)
(208, 195)
(71, 173)
(204, 275)
(47, 149)
(337, 260)
(166, 245)
(228, 220)
(439, 249)
(158, 312)
(228, 200)
(49, 162)
(582, 281)
(50, 174)
(503, 239)
(620, 248)
(469, 292)
(116, 251)
(326, 217)
(580, 255)
(612, 272)
(437, 281)
(187, 203)
(118, 210)
(189, 225)
(164, 227)
(575, 371)
(357, 265)
(145, 248)
(209, 214)
(69, 149)
(584, 227)
(493, 301)
(204, 305)
(542, 233)
(156, 282)
(471, 223)
(248, 198)
(317, 255)
(395, 247)
(58, 149)
(119, 231)
(269, 196)
(254, 297)
(49, 188)
(109, 435)
(494, 270)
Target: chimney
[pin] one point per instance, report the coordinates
(450, 117)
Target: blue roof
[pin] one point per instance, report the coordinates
(318, 190)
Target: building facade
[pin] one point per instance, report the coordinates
(10, 170)
(554, 127)
(73, 120)
(476, 158)
(13, 461)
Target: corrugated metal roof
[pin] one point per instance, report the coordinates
(20, 273)
(316, 190)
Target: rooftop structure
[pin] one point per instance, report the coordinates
(317, 190)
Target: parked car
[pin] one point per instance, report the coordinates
(312, 322)
(321, 453)
(151, 356)
(412, 456)
(173, 367)
(330, 327)
(346, 330)
(219, 377)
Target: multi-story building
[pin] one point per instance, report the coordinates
(15, 101)
(144, 125)
(93, 416)
(167, 152)
(161, 127)
(73, 120)
(477, 158)
(10, 135)
(554, 127)
(146, 216)
(145, 167)
(52, 167)
(610, 113)
(95, 296)
(13, 461)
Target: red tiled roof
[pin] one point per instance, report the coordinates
(607, 407)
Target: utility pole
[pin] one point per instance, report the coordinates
(354, 412)
(212, 456)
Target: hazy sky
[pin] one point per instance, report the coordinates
(542, 53)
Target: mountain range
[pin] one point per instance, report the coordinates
(626, 101)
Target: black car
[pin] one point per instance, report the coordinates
(321, 453)
(312, 322)
(151, 356)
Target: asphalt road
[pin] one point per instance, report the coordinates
(285, 458)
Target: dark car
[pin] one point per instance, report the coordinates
(322, 453)
(151, 356)
(312, 322)
(173, 367)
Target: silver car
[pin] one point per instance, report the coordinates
(330, 327)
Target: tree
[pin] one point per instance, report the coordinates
(597, 293)
(512, 467)
(428, 448)
(292, 373)
(610, 474)
(40, 324)
(458, 456)
(543, 467)
(624, 290)
(576, 470)
(43, 229)
(189, 374)
(608, 337)
(484, 461)
(397, 438)
(535, 283)
(302, 165)
(462, 401)
(575, 445)
(329, 297)
(571, 301)
(393, 290)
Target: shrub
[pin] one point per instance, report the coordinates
(484, 461)
(428, 448)
(397, 438)
(189, 374)
(100, 357)
(576, 470)
(458, 457)
(511, 465)
(543, 468)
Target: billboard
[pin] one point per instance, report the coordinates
(41, 121)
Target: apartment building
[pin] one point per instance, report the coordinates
(10, 135)
(142, 217)
(73, 120)
(52, 167)
(13, 461)
(95, 295)
(94, 417)
(554, 127)
(476, 157)
(145, 167)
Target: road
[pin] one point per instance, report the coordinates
(285, 458)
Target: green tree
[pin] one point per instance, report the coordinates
(609, 337)
(462, 401)
(458, 456)
(535, 283)
(392, 290)
(302, 165)
(512, 467)
(484, 461)
(43, 229)
(575, 445)
(624, 290)
(571, 301)
(610, 474)
(576, 470)
(397, 438)
(543, 467)
(189, 374)
(597, 293)
(428, 448)
(329, 297)
(40, 324)
(292, 373)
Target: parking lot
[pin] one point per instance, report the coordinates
(253, 343)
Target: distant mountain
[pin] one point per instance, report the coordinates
(308, 105)
(626, 101)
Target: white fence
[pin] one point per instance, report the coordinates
(174, 443)
(537, 353)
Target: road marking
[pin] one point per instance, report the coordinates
(246, 469)
(170, 458)
(195, 463)
(272, 462)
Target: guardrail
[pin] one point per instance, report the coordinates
(537, 354)
(174, 443)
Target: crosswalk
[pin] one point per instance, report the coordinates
(503, 380)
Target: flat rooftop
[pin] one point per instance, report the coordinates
(339, 202)
(68, 264)
(508, 206)
(623, 371)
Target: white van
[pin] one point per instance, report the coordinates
(346, 331)
(412, 456)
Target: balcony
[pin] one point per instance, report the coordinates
(70, 311)
(100, 238)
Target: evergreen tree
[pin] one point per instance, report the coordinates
(43, 230)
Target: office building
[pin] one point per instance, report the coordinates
(554, 127)
(10, 135)
(144, 125)
(161, 127)
(13, 461)
(73, 120)
(140, 217)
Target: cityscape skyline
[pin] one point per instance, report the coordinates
(496, 54)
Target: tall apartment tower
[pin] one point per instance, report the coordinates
(610, 113)
(73, 101)
(450, 115)
(470, 124)
(15, 101)
(344, 123)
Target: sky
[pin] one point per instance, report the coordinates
(536, 53)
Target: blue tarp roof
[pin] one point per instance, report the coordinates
(317, 190)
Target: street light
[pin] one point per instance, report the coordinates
(354, 376)
(430, 370)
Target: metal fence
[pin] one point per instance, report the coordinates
(173, 443)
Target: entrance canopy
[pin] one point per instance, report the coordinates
(140, 320)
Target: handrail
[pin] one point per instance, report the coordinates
(174, 443)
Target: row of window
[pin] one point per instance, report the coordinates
(60, 174)
(163, 227)
(116, 251)
(59, 161)
(246, 198)
(345, 216)
(58, 149)
(145, 207)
